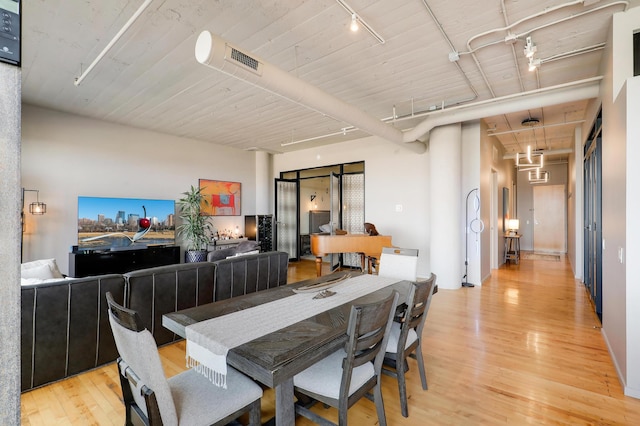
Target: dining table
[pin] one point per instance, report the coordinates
(275, 357)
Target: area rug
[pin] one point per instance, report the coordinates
(540, 256)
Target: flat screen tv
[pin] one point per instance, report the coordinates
(124, 223)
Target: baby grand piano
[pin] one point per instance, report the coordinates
(365, 244)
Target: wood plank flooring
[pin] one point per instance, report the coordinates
(523, 348)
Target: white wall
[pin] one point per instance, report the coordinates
(632, 256)
(620, 180)
(66, 156)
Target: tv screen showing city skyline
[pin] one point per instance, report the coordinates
(108, 223)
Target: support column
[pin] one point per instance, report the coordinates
(445, 157)
(264, 183)
(10, 103)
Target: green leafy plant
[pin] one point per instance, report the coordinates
(195, 228)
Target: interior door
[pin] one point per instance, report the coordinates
(549, 220)
(286, 220)
(352, 212)
(593, 219)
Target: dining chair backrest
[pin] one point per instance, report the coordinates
(418, 302)
(406, 337)
(138, 350)
(399, 263)
(368, 331)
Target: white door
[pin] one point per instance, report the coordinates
(549, 219)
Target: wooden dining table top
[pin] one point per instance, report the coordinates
(278, 356)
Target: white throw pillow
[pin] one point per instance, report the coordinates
(43, 269)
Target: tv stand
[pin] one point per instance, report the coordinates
(86, 263)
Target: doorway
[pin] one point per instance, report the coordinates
(333, 195)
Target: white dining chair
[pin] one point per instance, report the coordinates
(400, 263)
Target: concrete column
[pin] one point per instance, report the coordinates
(264, 183)
(10, 194)
(445, 156)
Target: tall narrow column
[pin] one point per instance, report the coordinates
(10, 244)
(445, 157)
(264, 183)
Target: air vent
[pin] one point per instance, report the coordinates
(240, 58)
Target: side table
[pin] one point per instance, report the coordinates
(512, 248)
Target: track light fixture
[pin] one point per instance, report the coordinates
(533, 64)
(357, 21)
(529, 48)
(354, 23)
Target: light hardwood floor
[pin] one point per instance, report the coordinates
(523, 348)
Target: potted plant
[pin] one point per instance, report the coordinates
(195, 227)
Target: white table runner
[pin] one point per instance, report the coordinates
(208, 342)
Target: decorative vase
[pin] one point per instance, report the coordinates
(195, 256)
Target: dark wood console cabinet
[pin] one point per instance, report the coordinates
(83, 264)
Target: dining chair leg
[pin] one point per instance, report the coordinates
(402, 386)
(377, 397)
(255, 414)
(423, 375)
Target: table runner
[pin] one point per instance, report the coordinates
(208, 342)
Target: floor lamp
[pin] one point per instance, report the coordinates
(36, 208)
(477, 226)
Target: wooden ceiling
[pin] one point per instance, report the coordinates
(151, 80)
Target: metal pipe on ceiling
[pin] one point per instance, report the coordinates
(568, 92)
(113, 41)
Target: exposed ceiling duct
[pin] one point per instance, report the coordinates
(578, 90)
(213, 51)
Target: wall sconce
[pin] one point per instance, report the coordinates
(36, 208)
(313, 197)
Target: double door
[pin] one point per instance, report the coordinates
(346, 208)
(593, 216)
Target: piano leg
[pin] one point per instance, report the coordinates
(318, 266)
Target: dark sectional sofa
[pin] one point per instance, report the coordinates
(65, 329)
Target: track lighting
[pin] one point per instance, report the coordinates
(533, 64)
(530, 49)
(354, 23)
(357, 21)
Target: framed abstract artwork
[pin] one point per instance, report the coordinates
(223, 197)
